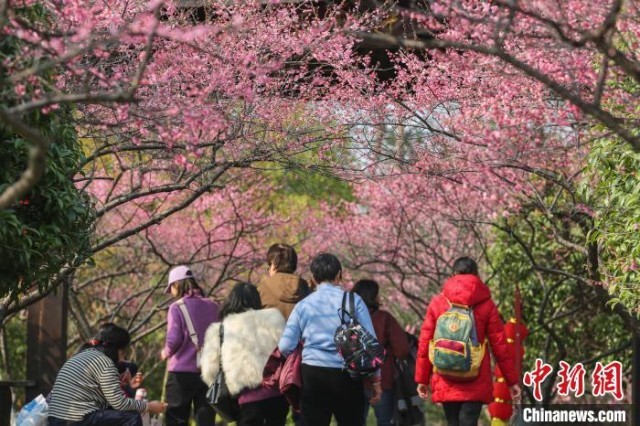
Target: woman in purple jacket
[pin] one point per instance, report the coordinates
(188, 319)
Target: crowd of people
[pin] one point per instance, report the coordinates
(285, 313)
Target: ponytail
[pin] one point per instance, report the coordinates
(110, 339)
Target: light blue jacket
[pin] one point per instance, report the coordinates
(314, 320)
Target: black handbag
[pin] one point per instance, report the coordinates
(218, 395)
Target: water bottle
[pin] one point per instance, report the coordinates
(141, 394)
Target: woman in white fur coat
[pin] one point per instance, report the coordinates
(250, 335)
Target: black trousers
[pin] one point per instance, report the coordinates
(330, 391)
(268, 412)
(462, 413)
(184, 391)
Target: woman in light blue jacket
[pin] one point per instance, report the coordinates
(327, 389)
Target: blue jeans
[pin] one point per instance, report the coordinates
(102, 418)
(384, 410)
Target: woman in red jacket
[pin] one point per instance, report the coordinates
(392, 337)
(462, 400)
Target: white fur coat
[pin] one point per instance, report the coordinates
(249, 339)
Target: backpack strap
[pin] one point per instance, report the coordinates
(352, 304)
(350, 311)
(474, 331)
(187, 319)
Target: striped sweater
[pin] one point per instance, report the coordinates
(89, 382)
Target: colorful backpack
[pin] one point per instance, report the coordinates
(363, 355)
(455, 351)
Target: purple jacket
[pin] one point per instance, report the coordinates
(178, 346)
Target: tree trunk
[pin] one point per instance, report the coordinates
(46, 341)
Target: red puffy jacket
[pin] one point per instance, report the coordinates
(467, 290)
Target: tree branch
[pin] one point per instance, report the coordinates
(616, 124)
(159, 218)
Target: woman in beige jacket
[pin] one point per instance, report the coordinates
(282, 289)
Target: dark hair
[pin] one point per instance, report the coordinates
(188, 287)
(368, 291)
(465, 265)
(325, 267)
(242, 297)
(283, 258)
(109, 339)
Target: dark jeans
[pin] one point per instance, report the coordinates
(462, 413)
(268, 412)
(384, 410)
(327, 391)
(185, 390)
(102, 418)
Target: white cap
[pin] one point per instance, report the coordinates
(176, 274)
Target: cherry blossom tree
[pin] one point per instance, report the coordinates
(166, 111)
(447, 118)
(513, 96)
(578, 50)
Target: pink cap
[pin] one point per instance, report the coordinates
(176, 274)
